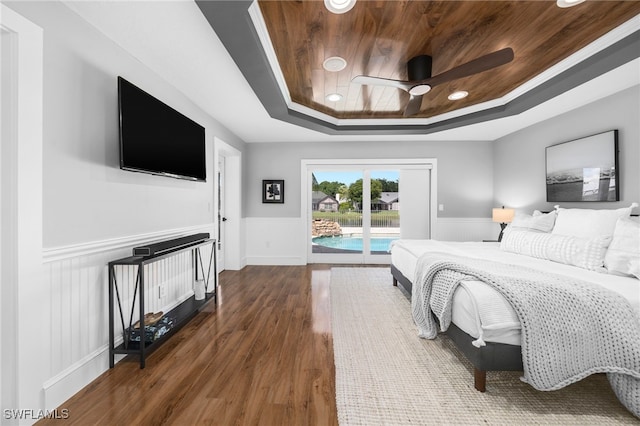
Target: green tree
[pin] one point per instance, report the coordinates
(343, 192)
(355, 191)
(344, 207)
(388, 185)
(329, 188)
(376, 189)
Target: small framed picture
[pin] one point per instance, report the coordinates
(273, 191)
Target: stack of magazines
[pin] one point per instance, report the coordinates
(156, 326)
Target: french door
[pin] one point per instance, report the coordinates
(356, 208)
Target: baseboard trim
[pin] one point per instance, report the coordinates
(65, 384)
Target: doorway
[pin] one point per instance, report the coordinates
(221, 214)
(354, 209)
(228, 160)
(21, 293)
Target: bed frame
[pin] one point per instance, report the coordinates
(492, 357)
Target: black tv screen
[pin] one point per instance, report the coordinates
(157, 139)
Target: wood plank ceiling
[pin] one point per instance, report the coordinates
(377, 38)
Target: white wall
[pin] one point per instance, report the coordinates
(93, 212)
(465, 172)
(520, 157)
(275, 232)
(86, 195)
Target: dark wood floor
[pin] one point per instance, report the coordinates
(263, 355)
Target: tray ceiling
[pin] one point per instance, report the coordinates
(378, 38)
(282, 56)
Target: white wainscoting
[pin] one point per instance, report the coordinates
(465, 229)
(275, 241)
(77, 327)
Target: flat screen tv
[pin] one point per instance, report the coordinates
(157, 139)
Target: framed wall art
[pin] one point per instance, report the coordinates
(273, 191)
(584, 169)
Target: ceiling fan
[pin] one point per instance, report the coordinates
(421, 82)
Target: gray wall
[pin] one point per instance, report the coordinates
(86, 195)
(465, 172)
(520, 157)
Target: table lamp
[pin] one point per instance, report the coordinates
(503, 217)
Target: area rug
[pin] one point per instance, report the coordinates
(387, 375)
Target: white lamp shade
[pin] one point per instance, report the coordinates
(503, 215)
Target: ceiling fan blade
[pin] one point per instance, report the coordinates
(377, 81)
(478, 65)
(413, 107)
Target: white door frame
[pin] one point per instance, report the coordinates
(23, 301)
(305, 203)
(221, 212)
(233, 247)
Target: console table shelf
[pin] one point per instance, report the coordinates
(181, 313)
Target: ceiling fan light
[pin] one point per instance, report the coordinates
(568, 3)
(334, 64)
(420, 89)
(334, 97)
(339, 6)
(460, 94)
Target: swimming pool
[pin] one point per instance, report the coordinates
(354, 242)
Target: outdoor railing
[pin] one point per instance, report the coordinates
(353, 219)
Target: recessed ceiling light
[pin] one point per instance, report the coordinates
(568, 3)
(460, 94)
(339, 6)
(334, 64)
(334, 97)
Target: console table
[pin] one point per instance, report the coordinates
(181, 313)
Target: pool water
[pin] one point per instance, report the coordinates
(354, 242)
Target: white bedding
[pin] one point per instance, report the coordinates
(481, 311)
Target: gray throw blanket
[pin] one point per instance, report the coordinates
(570, 328)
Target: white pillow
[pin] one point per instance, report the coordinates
(587, 223)
(623, 255)
(538, 221)
(586, 253)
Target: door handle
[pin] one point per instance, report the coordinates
(224, 219)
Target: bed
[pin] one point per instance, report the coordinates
(483, 324)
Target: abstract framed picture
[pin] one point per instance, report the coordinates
(273, 191)
(584, 169)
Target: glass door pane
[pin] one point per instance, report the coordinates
(385, 210)
(336, 212)
(354, 210)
